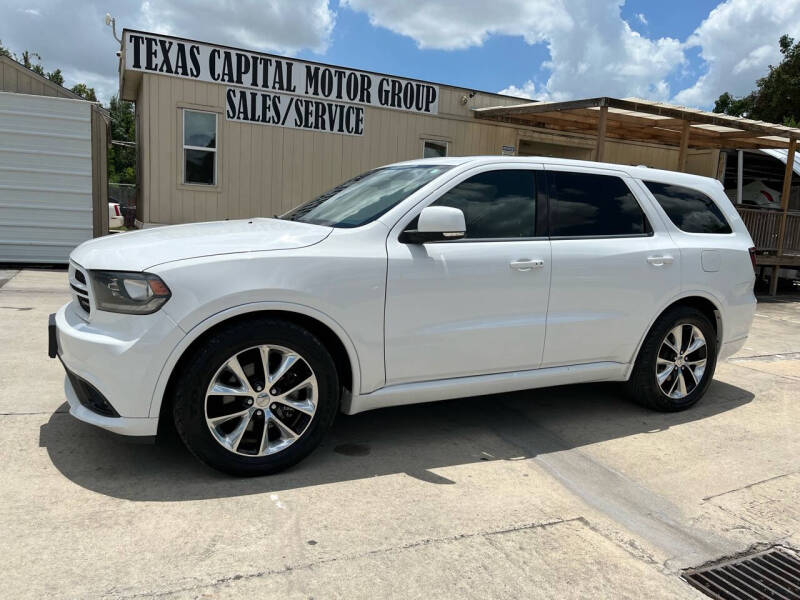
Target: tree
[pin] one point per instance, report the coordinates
(776, 98)
(84, 91)
(122, 159)
(26, 59)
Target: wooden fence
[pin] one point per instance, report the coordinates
(764, 226)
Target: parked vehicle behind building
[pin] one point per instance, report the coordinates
(426, 280)
(115, 218)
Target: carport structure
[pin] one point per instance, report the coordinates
(775, 233)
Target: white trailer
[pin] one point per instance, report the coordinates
(45, 177)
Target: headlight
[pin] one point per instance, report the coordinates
(128, 292)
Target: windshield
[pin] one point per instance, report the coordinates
(366, 197)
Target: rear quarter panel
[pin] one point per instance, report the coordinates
(716, 266)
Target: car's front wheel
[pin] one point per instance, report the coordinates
(256, 397)
(676, 362)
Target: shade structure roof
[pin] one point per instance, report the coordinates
(634, 119)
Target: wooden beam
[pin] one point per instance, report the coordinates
(600, 148)
(584, 124)
(628, 118)
(540, 107)
(787, 188)
(696, 116)
(684, 147)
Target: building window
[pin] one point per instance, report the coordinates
(585, 204)
(199, 147)
(432, 149)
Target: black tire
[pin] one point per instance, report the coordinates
(193, 382)
(643, 387)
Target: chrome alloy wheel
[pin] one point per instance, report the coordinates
(681, 361)
(261, 400)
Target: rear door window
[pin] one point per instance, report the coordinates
(592, 205)
(690, 210)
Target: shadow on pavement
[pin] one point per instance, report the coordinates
(414, 439)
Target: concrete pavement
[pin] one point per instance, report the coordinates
(564, 492)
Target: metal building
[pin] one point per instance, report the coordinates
(225, 133)
(53, 180)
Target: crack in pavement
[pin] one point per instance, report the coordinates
(749, 485)
(771, 374)
(767, 357)
(378, 551)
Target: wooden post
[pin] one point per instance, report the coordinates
(601, 134)
(773, 281)
(739, 175)
(684, 147)
(787, 188)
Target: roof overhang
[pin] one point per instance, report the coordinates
(644, 121)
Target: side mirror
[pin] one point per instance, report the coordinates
(435, 224)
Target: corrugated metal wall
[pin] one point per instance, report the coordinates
(45, 177)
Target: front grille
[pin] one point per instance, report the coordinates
(771, 574)
(78, 283)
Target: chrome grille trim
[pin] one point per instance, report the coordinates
(81, 292)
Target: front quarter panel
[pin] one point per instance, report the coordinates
(342, 279)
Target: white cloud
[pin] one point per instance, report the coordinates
(278, 26)
(72, 36)
(641, 18)
(528, 90)
(738, 41)
(593, 51)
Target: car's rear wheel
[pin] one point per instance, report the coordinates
(676, 362)
(256, 397)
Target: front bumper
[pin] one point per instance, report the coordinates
(114, 359)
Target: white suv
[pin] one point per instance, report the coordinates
(419, 281)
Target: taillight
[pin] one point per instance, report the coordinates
(753, 257)
(116, 210)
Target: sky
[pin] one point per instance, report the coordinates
(683, 51)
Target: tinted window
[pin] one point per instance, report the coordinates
(434, 149)
(496, 204)
(366, 197)
(688, 209)
(586, 204)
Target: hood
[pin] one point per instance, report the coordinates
(140, 250)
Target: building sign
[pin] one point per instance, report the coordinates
(274, 90)
(292, 111)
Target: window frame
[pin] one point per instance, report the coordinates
(540, 202)
(446, 144)
(624, 177)
(184, 148)
(672, 223)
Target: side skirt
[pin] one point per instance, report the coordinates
(479, 385)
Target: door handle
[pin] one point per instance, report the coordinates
(660, 261)
(526, 264)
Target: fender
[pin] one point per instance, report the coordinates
(194, 333)
(683, 294)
